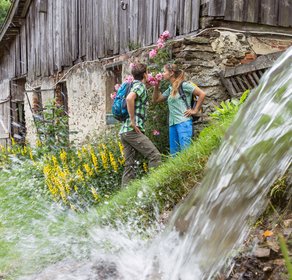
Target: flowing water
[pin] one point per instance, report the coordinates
(207, 229)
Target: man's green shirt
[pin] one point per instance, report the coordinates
(140, 107)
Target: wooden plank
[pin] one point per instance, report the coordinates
(252, 80)
(50, 37)
(88, 20)
(187, 16)
(233, 81)
(116, 27)
(108, 28)
(195, 20)
(101, 50)
(23, 55)
(44, 44)
(156, 14)
(256, 77)
(239, 81)
(246, 82)
(234, 10)
(38, 39)
(141, 22)
(285, 10)
(253, 11)
(4, 109)
(163, 15)
(227, 83)
(149, 22)
(17, 56)
(73, 20)
(269, 12)
(57, 34)
(216, 8)
(82, 33)
(68, 32)
(95, 29)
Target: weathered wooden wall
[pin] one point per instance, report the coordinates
(58, 34)
(4, 112)
(269, 12)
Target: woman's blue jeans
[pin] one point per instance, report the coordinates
(180, 136)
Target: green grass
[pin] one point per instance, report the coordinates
(34, 231)
(164, 187)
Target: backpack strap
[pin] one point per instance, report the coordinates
(182, 95)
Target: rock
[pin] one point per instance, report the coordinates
(279, 262)
(196, 40)
(288, 223)
(273, 245)
(287, 231)
(262, 252)
(267, 268)
(199, 48)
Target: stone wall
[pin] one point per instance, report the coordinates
(203, 58)
(86, 100)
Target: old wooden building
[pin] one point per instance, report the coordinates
(67, 48)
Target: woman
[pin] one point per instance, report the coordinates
(180, 116)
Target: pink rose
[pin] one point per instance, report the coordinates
(165, 35)
(160, 41)
(153, 82)
(160, 45)
(153, 53)
(132, 65)
(159, 76)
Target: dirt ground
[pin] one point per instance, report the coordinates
(261, 257)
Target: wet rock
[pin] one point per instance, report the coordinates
(288, 223)
(287, 231)
(267, 268)
(106, 271)
(273, 245)
(262, 252)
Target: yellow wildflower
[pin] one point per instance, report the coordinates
(38, 143)
(63, 156)
(121, 161)
(31, 154)
(12, 141)
(145, 167)
(121, 147)
(72, 206)
(94, 160)
(55, 162)
(113, 162)
(80, 174)
(88, 169)
(104, 160)
(94, 193)
(79, 154)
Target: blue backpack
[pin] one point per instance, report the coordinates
(119, 108)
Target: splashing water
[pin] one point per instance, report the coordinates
(210, 225)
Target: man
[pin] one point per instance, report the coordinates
(132, 131)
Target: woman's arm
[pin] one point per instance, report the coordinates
(193, 111)
(157, 96)
(201, 94)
